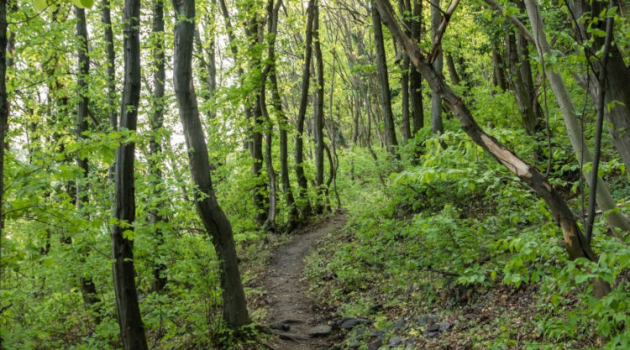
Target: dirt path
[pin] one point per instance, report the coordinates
(287, 286)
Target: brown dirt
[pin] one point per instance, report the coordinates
(287, 287)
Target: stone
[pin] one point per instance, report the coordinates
(444, 326)
(398, 324)
(432, 334)
(394, 342)
(433, 328)
(319, 331)
(377, 333)
(280, 326)
(350, 322)
(375, 344)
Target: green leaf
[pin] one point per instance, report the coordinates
(40, 5)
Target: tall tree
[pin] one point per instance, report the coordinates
(415, 78)
(88, 289)
(156, 218)
(318, 112)
(216, 223)
(129, 317)
(106, 19)
(4, 103)
(299, 138)
(383, 83)
(436, 102)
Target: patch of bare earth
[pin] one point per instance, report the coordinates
(291, 313)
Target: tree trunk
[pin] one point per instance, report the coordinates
(383, 84)
(521, 91)
(299, 138)
(452, 71)
(283, 123)
(415, 78)
(437, 127)
(574, 128)
(4, 107)
(88, 290)
(319, 113)
(404, 81)
(497, 65)
(577, 246)
(130, 320)
(155, 144)
(213, 218)
(111, 73)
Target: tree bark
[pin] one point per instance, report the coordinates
(130, 320)
(404, 81)
(437, 127)
(415, 78)
(88, 289)
(452, 71)
(216, 223)
(111, 73)
(574, 128)
(319, 113)
(577, 246)
(4, 108)
(156, 218)
(299, 138)
(524, 99)
(383, 84)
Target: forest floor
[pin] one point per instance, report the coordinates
(291, 312)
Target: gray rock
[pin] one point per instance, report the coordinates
(351, 322)
(354, 345)
(432, 334)
(444, 326)
(280, 326)
(375, 344)
(433, 328)
(394, 342)
(398, 324)
(319, 331)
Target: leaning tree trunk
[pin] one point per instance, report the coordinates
(131, 327)
(383, 84)
(574, 128)
(216, 223)
(88, 289)
(577, 246)
(299, 138)
(156, 218)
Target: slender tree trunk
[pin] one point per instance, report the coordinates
(415, 78)
(111, 73)
(270, 224)
(383, 84)
(404, 81)
(319, 112)
(574, 128)
(88, 289)
(497, 65)
(299, 138)
(216, 223)
(521, 91)
(452, 71)
(283, 123)
(577, 246)
(131, 327)
(436, 103)
(156, 218)
(4, 109)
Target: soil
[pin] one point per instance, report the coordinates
(287, 286)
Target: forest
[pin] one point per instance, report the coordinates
(314, 174)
